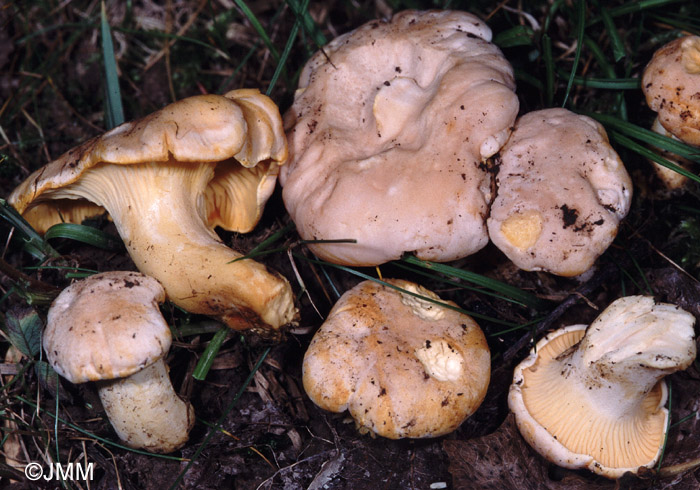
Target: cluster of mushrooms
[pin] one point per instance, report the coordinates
(403, 137)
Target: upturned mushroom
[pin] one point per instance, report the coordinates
(166, 181)
(561, 193)
(671, 84)
(108, 329)
(399, 360)
(593, 397)
(389, 133)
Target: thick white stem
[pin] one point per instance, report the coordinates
(145, 411)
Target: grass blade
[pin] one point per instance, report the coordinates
(618, 47)
(520, 35)
(410, 293)
(94, 436)
(114, 112)
(647, 136)
(608, 83)
(651, 155)
(632, 7)
(287, 49)
(207, 359)
(34, 244)
(258, 28)
(497, 286)
(310, 27)
(85, 234)
(456, 284)
(580, 29)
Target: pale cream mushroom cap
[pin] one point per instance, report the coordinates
(388, 135)
(671, 83)
(167, 180)
(108, 328)
(593, 397)
(561, 193)
(403, 366)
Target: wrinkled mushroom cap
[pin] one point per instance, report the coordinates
(671, 83)
(593, 397)
(205, 128)
(561, 193)
(388, 134)
(403, 366)
(106, 326)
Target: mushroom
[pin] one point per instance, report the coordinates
(402, 361)
(108, 328)
(561, 193)
(389, 133)
(167, 180)
(671, 84)
(593, 397)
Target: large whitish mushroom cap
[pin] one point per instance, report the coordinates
(594, 397)
(388, 134)
(561, 193)
(402, 366)
(106, 326)
(671, 83)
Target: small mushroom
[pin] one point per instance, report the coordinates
(671, 84)
(403, 364)
(593, 397)
(388, 135)
(108, 328)
(167, 180)
(561, 193)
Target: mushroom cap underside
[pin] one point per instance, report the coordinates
(593, 397)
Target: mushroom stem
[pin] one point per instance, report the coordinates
(145, 411)
(165, 231)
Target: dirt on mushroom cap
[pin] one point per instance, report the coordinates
(364, 359)
(561, 193)
(393, 121)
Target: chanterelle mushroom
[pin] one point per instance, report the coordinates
(388, 135)
(166, 181)
(402, 365)
(594, 397)
(108, 328)
(671, 83)
(561, 193)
